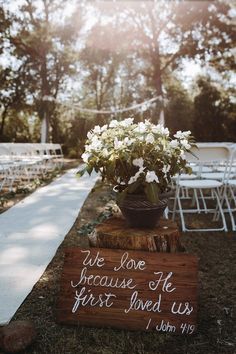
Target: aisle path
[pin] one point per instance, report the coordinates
(30, 233)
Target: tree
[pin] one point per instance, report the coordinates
(179, 108)
(43, 44)
(212, 113)
(164, 32)
(12, 94)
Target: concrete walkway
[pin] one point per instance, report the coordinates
(30, 233)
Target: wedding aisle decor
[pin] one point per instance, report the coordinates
(138, 160)
(30, 234)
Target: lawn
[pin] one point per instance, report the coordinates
(216, 306)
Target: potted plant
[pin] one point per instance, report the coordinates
(139, 160)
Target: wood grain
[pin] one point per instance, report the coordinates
(114, 233)
(178, 269)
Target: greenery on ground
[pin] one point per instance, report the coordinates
(216, 318)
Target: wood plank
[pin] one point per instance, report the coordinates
(129, 289)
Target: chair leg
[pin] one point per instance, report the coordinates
(197, 201)
(221, 194)
(203, 201)
(217, 193)
(234, 208)
(175, 203)
(181, 213)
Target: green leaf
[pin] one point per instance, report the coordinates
(133, 187)
(188, 170)
(151, 190)
(110, 168)
(89, 169)
(80, 173)
(121, 196)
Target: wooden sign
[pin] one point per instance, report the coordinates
(129, 289)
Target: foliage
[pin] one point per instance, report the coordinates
(160, 34)
(87, 229)
(12, 98)
(179, 108)
(110, 56)
(211, 110)
(136, 157)
(43, 47)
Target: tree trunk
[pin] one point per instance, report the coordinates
(4, 115)
(45, 129)
(158, 81)
(45, 109)
(114, 233)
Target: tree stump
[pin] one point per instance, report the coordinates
(114, 233)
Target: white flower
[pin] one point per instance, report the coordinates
(114, 123)
(148, 123)
(103, 128)
(118, 144)
(155, 129)
(140, 144)
(178, 134)
(126, 122)
(160, 129)
(85, 156)
(163, 130)
(166, 131)
(138, 162)
(136, 176)
(185, 144)
(151, 177)
(174, 143)
(97, 129)
(182, 135)
(96, 144)
(187, 133)
(120, 181)
(140, 138)
(128, 141)
(141, 128)
(88, 148)
(89, 135)
(133, 179)
(166, 169)
(150, 138)
(105, 152)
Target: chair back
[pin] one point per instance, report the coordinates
(208, 154)
(231, 168)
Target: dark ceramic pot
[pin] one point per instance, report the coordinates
(141, 213)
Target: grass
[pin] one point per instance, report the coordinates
(216, 306)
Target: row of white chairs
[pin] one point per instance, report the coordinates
(22, 163)
(211, 188)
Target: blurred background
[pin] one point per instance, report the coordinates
(63, 63)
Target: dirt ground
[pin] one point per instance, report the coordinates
(216, 306)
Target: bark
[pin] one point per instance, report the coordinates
(157, 78)
(45, 106)
(4, 115)
(114, 233)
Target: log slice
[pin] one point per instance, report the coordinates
(114, 233)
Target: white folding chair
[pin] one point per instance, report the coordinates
(229, 194)
(203, 190)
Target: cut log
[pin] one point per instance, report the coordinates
(114, 233)
(16, 336)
